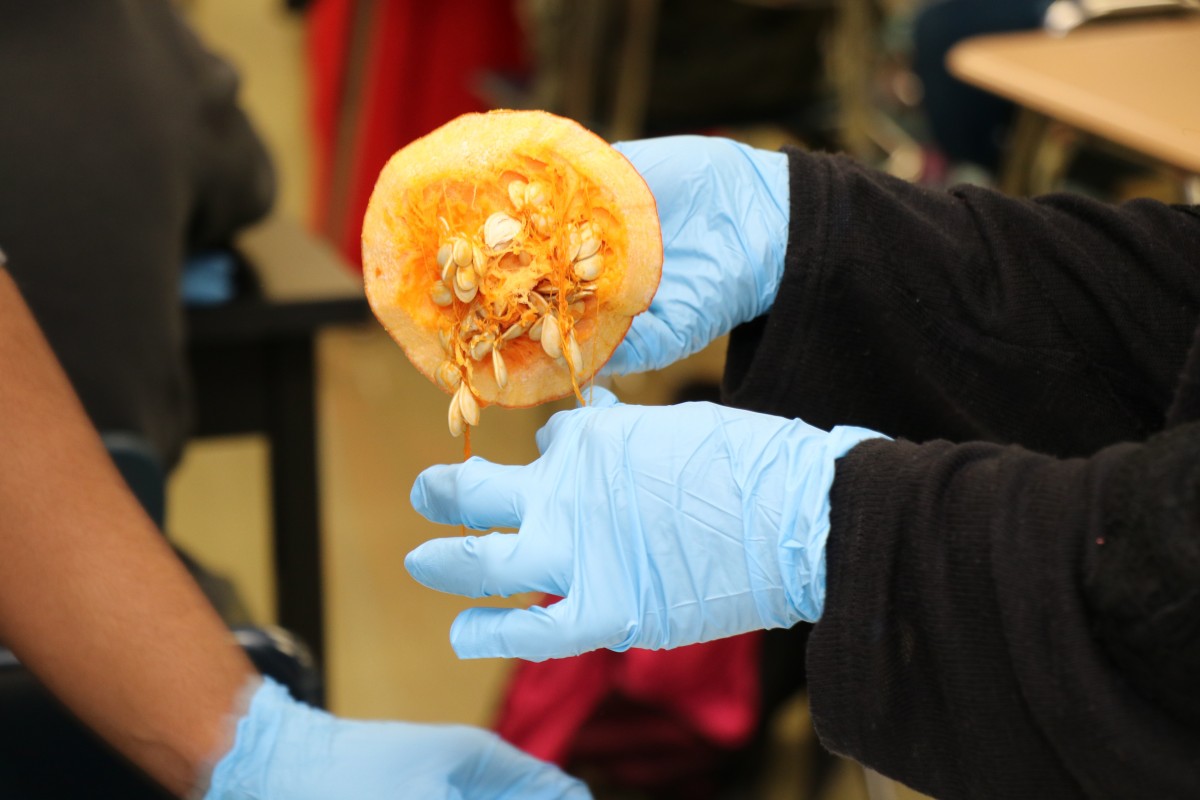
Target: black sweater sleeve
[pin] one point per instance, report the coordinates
(999, 622)
(974, 641)
(1059, 323)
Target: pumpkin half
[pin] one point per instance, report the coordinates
(507, 254)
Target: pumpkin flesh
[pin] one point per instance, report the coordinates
(502, 225)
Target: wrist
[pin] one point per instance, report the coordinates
(803, 539)
(766, 226)
(244, 771)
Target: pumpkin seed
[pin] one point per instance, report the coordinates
(441, 294)
(448, 376)
(468, 407)
(500, 229)
(482, 346)
(454, 419)
(552, 337)
(499, 369)
(588, 269)
(574, 354)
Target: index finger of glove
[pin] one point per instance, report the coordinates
(476, 493)
(490, 566)
(599, 397)
(534, 634)
(567, 423)
(504, 771)
(648, 345)
(557, 427)
(635, 149)
(649, 155)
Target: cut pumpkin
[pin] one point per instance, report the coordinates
(507, 254)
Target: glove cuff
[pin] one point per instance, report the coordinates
(207, 780)
(802, 544)
(244, 771)
(768, 228)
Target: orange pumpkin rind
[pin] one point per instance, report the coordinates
(496, 228)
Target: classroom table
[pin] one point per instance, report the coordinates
(253, 368)
(1132, 83)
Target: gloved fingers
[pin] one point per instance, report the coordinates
(566, 424)
(554, 428)
(476, 493)
(637, 150)
(560, 423)
(489, 566)
(648, 155)
(650, 344)
(624, 360)
(600, 397)
(505, 773)
(534, 634)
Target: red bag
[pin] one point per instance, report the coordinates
(655, 720)
(386, 72)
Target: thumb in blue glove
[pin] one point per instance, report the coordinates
(661, 527)
(724, 213)
(284, 749)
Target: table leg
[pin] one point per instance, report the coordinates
(1039, 152)
(291, 429)
(1191, 189)
(1023, 140)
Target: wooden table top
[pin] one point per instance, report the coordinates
(1134, 83)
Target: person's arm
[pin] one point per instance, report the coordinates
(96, 605)
(990, 622)
(1059, 323)
(92, 600)
(1000, 623)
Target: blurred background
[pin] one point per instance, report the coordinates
(333, 87)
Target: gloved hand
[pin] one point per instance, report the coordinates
(660, 527)
(288, 750)
(724, 213)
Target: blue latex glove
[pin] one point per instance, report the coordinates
(288, 750)
(724, 212)
(660, 527)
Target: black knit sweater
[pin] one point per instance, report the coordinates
(1013, 603)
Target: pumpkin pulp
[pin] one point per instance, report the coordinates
(507, 254)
